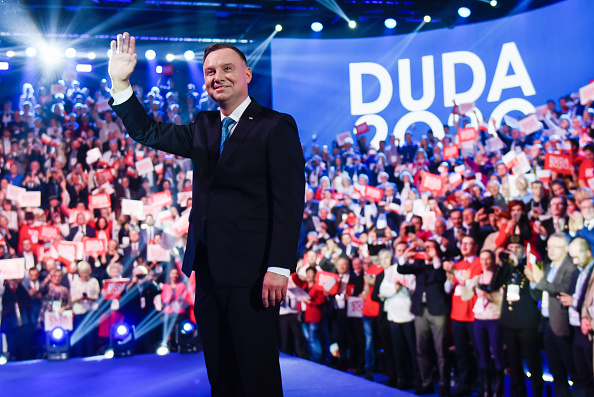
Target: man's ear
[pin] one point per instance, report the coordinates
(248, 74)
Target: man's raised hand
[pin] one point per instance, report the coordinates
(122, 62)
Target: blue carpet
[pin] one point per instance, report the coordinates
(174, 375)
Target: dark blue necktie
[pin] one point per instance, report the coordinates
(226, 132)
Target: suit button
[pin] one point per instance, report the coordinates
(203, 219)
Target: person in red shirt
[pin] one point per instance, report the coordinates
(312, 313)
(371, 311)
(463, 301)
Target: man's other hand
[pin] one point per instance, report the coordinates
(122, 62)
(274, 289)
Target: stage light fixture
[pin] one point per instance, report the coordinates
(122, 340)
(4, 65)
(150, 54)
(51, 56)
(31, 52)
(187, 337)
(70, 52)
(189, 55)
(91, 55)
(170, 57)
(427, 18)
(390, 23)
(10, 53)
(464, 12)
(3, 359)
(352, 24)
(84, 68)
(159, 69)
(493, 3)
(57, 344)
(162, 349)
(317, 27)
(109, 353)
(278, 27)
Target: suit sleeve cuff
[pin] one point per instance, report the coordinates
(280, 270)
(122, 96)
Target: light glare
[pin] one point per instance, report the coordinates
(31, 52)
(162, 350)
(493, 3)
(317, 27)
(70, 52)
(390, 23)
(189, 55)
(3, 360)
(109, 353)
(464, 12)
(10, 54)
(159, 69)
(278, 27)
(91, 55)
(84, 68)
(169, 57)
(150, 54)
(427, 18)
(4, 65)
(352, 24)
(109, 53)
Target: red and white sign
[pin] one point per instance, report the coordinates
(544, 176)
(30, 199)
(361, 128)
(164, 216)
(373, 193)
(494, 144)
(340, 138)
(57, 89)
(559, 163)
(432, 183)
(139, 154)
(114, 288)
(183, 197)
(181, 224)
(522, 164)
(455, 179)
(101, 200)
(530, 124)
(156, 253)
(46, 139)
(13, 192)
(54, 319)
(12, 269)
(509, 159)
(450, 152)
(587, 94)
(94, 246)
(106, 174)
(48, 233)
(328, 281)
(161, 199)
(465, 108)
(159, 168)
(74, 213)
(355, 306)
(133, 207)
(467, 135)
(72, 250)
(145, 166)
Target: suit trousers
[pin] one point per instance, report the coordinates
(430, 333)
(463, 334)
(523, 342)
(292, 340)
(238, 336)
(560, 360)
(403, 342)
(582, 357)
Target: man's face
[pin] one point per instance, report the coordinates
(134, 236)
(557, 207)
(587, 209)
(226, 77)
(399, 250)
(346, 239)
(342, 266)
(581, 257)
(517, 249)
(468, 216)
(456, 218)
(27, 245)
(357, 265)
(556, 249)
(417, 223)
(537, 189)
(467, 248)
(440, 227)
(34, 274)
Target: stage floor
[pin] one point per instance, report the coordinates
(171, 375)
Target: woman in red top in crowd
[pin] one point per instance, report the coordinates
(173, 296)
(312, 313)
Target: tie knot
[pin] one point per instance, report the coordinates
(227, 121)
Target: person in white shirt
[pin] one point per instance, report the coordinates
(84, 293)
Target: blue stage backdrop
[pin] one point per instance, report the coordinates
(410, 82)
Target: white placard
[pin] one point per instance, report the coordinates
(12, 269)
(511, 122)
(494, 144)
(355, 306)
(156, 253)
(145, 166)
(13, 192)
(530, 124)
(30, 199)
(93, 155)
(587, 93)
(133, 207)
(53, 320)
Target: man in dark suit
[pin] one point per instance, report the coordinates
(246, 215)
(558, 222)
(81, 229)
(558, 277)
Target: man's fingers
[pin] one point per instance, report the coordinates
(132, 48)
(113, 45)
(265, 296)
(119, 44)
(126, 41)
(272, 297)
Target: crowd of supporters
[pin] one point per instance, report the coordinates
(454, 280)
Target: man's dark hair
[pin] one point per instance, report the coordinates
(220, 46)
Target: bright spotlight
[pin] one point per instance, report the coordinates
(109, 53)
(31, 52)
(159, 69)
(163, 349)
(51, 55)
(109, 353)
(427, 18)
(352, 24)
(170, 57)
(122, 330)
(188, 327)
(150, 54)
(3, 359)
(10, 54)
(91, 55)
(317, 27)
(278, 27)
(189, 55)
(493, 3)
(4, 65)
(84, 68)
(57, 334)
(57, 344)
(390, 23)
(187, 337)
(464, 12)
(70, 52)
(122, 340)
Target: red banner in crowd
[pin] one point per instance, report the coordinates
(467, 135)
(328, 281)
(48, 233)
(450, 152)
(432, 183)
(373, 193)
(106, 173)
(101, 200)
(161, 199)
(559, 163)
(114, 288)
(94, 246)
(362, 128)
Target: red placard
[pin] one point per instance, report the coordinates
(373, 193)
(328, 281)
(467, 135)
(48, 233)
(161, 199)
(101, 200)
(114, 288)
(94, 246)
(106, 173)
(362, 128)
(559, 163)
(450, 152)
(432, 183)
(69, 251)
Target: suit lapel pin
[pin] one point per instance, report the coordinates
(250, 118)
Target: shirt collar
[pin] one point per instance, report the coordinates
(238, 112)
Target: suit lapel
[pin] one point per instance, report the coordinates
(246, 123)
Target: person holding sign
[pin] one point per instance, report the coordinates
(248, 188)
